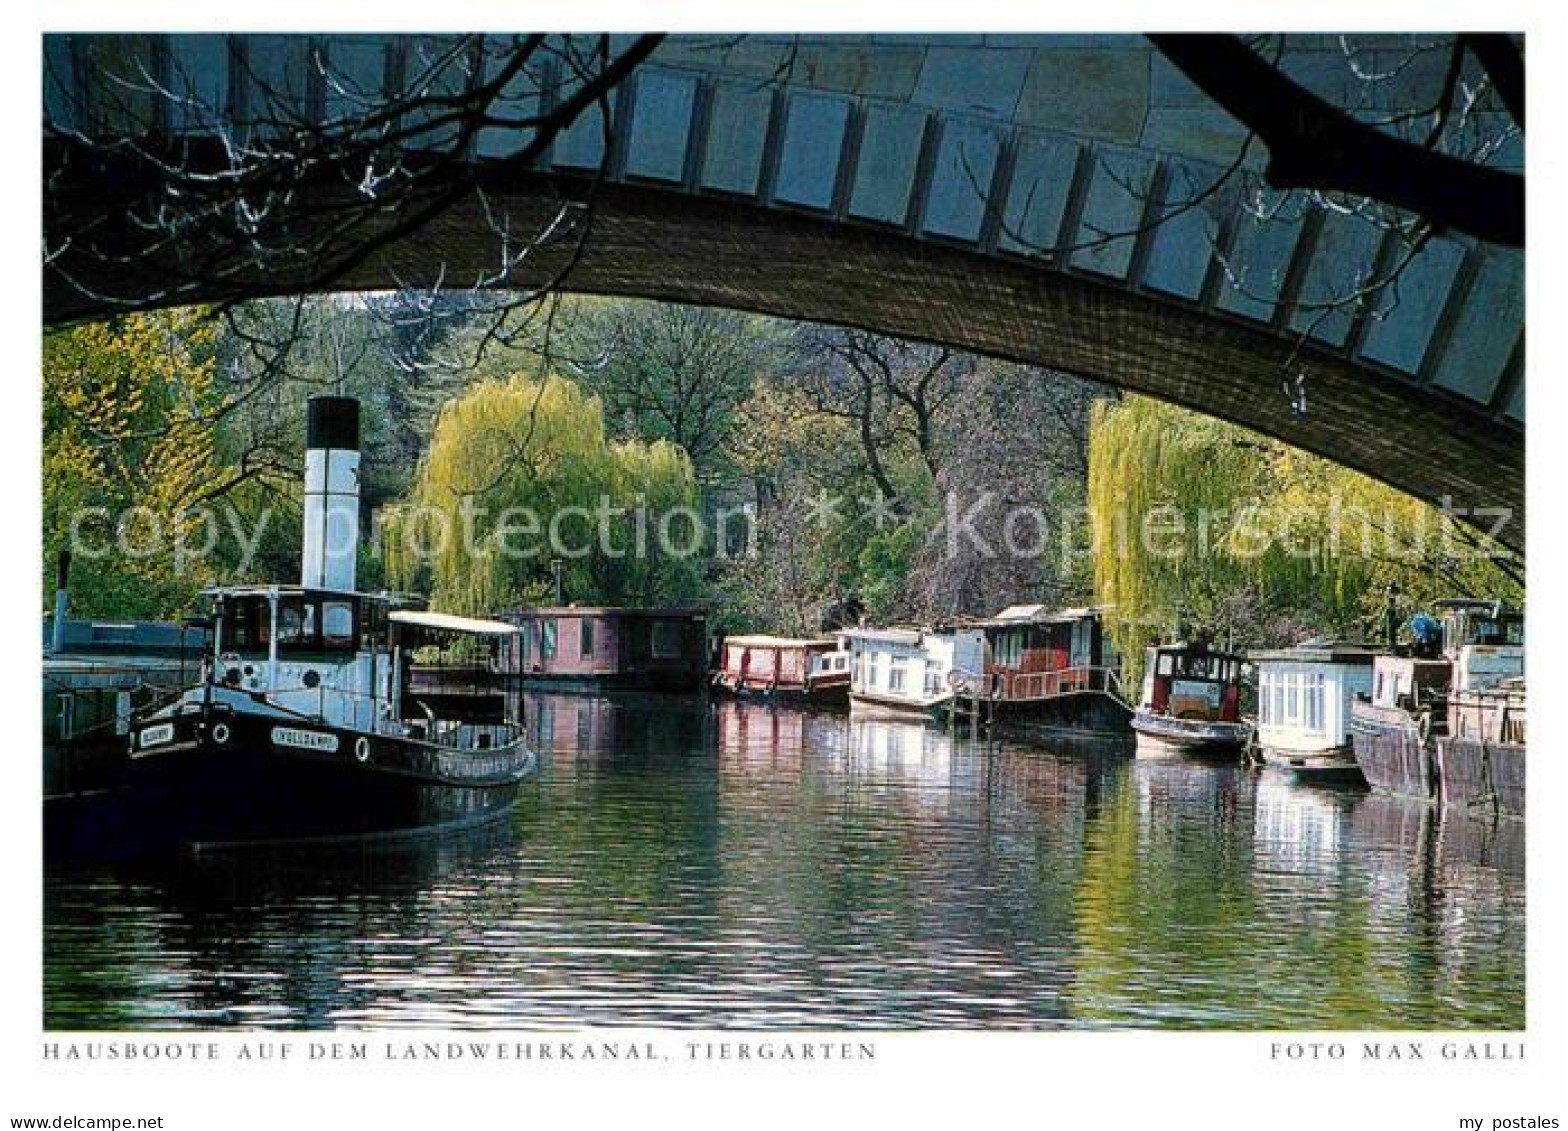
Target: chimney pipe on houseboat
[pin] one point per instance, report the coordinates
(559, 568)
(331, 493)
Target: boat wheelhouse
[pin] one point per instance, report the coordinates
(907, 670)
(776, 667)
(306, 722)
(1304, 699)
(1444, 721)
(605, 647)
(1037, 667)
(1191, 702)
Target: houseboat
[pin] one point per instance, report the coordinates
(1480, 761)
(1191, 702)
(1304, 699)
(305, 725)
(907, 670)
(581, 647)
(1040, 668)
(780, 668)
(1451, 700)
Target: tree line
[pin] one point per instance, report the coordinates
(823, 473)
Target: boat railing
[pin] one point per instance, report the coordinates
(441, 726)
(1029, 687)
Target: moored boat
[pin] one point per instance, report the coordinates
(904, 670)
(607, 648)
(1444, 722)
(1191, 702)
(1035, 668)
(1391, 727)
(1481, 760)
(784, 668)
(1304, 700)
(306, 723)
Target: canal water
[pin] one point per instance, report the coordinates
(681, 863)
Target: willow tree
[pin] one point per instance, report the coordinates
(1202, 523)
(519, 472)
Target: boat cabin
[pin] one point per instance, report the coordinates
(1483, 640)
(777, 664)
(355, 660)
(907, 668)
(638, 649)
(1192, 681)
(1032, 652)
(1305, 693)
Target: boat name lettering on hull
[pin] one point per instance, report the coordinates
(305, 739)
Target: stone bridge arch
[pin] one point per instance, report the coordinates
(1018, 196)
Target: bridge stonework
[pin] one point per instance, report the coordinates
(1035, 198)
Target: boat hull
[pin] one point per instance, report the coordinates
(862, 703)
(1482, 777)
(214, 780)
(1336, 765)
(1090, 712)
(1391, 753)
(835, 694)
(1161, 736)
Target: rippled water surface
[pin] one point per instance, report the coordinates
(683, 863)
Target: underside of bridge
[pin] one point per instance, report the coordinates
(922, 210)
(653, 244)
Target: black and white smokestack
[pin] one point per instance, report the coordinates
(331, 493)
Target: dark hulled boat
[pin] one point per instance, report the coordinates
(308, 722)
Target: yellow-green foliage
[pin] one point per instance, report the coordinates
(128, 407)
(508, 458)
(1189, 513)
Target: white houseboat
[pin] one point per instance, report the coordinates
(908, 670)
(1304, 699)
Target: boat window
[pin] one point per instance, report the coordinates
(585, 638)
(301, 626)
(337, 624)
(244, 624)
(1166, 664)
(547, 629)
(666, 639)
(895, 676)
(1009, 648)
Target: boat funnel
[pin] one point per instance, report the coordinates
(331, 493)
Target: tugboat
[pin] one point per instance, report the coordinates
(307, 722)
(1191, 702)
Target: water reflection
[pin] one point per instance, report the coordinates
(734, 864)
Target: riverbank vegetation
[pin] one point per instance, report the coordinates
(819, 474)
